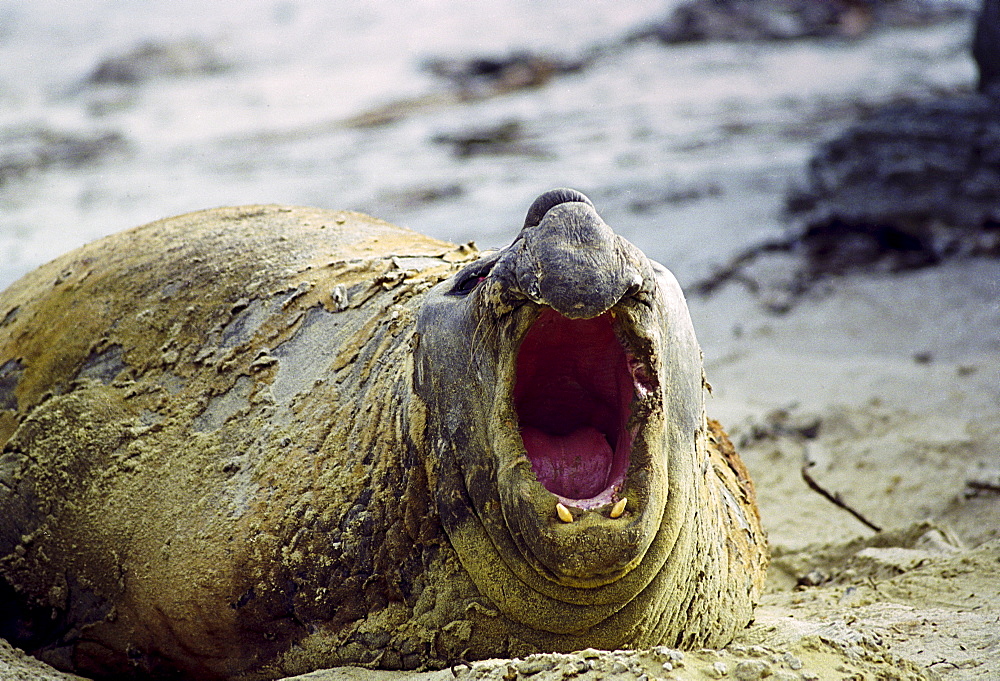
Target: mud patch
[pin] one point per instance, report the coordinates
(755, 20)
(304, 357)
(10, 374)
(221, 407)
(103, 366)
(158, 59)
(248, 317)
(25, 150)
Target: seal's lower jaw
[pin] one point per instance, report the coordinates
(580, 471)
(573, 393)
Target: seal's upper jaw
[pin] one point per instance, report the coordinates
(574, 386)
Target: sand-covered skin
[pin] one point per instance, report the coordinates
(362, 530)
(898, 438)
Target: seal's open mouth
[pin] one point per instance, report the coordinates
(573, 390)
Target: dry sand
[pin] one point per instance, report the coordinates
(891, 386)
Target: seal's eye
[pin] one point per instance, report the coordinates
(466, 285)
(469, 278)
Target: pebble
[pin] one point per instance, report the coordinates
(752, 670)
(340, 298)
(717, 669)
(792, 661)
(533, 665)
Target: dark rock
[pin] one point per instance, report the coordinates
(423, 195)
(501, 139)
(748, 20)
(780, 423)
(472, 79)
(478, 77)
(152, 60)
(653, 199)
(24, 150)
(908, 186)
(814, 577)
(986, 47)
(739, 20)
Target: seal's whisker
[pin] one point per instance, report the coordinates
(486, 327)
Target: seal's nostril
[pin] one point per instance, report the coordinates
(571, 260)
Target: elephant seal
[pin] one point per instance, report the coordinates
(252, 442)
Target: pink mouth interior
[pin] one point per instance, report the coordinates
(572, 394)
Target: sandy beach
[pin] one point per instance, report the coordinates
(885, 387)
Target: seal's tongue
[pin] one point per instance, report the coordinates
(575, 466)
(572, 395)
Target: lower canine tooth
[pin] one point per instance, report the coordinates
(618, 508)
(563, 513)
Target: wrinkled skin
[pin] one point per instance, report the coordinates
(247, 443)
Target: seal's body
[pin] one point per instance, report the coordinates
(246, 443)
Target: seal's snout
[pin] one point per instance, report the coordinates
(570, 260)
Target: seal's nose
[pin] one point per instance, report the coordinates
(570, 259)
